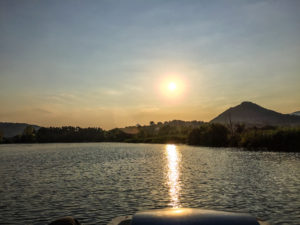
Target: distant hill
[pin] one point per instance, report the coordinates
(295, 113)
(252, 114)
(13, 129)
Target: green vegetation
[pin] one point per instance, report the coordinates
(279, 139)
(1, 136)
(215, 135)
(176, 131)
(265, 138)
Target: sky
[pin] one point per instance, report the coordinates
(108, 63)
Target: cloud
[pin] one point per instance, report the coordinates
(42, 111)
(111, 92)
(149, 110)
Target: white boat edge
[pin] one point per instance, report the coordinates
(126, 220)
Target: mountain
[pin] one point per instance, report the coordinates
(13, 129)
(295, 113)
(252, 114)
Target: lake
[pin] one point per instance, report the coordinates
(96, 182)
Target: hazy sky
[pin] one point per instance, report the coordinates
(107, 63)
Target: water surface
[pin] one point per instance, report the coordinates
(95, 182)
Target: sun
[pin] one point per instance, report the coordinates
(171, 89)
(172, 86)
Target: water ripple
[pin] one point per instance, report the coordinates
(97, 181)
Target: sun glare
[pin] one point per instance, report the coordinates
(172, 86)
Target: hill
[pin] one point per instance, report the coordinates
(254, 115)
(295, 113)
(13, 129)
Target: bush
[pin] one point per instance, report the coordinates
(215, 135)
(281, 139)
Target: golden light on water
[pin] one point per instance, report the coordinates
(173, 159)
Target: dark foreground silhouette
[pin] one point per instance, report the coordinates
(65, 221)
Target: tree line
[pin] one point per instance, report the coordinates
(251, 138)
(193, 133)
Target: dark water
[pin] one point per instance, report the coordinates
(98, 181)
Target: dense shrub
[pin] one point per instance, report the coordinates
(69, 134)
(209, 135)
(280, 139)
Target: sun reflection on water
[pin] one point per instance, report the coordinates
(173, 158)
